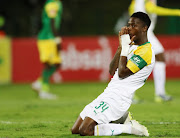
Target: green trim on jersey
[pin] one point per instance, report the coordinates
(138, 61)
(46, 31)
(145, 43)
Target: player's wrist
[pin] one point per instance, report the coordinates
(125, 41)
(58, 40)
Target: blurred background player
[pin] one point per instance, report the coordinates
(159, 72)
(49, 45)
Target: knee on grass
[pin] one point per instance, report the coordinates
(74, 131)
(85, 132)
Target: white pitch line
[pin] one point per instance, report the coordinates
(161, 123)
(50, 122)
(9, 122)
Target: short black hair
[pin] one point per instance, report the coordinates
(143, 17)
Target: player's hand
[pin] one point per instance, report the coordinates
(125, 30)
(125, 41)
(58, 41)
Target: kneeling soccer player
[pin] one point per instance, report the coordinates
(130, 67)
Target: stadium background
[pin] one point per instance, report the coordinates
(86, 34)
(23, 17)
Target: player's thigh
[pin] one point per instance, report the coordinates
(75, 128)
(87, 127)
(106, 108)
(156, 45)
(48, 52)
(55, 54)
(44, 47)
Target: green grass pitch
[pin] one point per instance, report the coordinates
(23, 115)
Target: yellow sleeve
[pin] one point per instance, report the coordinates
(131, 7)
(132, 66)
(52, 9)
(152, 8)
(141, 58)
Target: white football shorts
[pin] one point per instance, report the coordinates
(106, 107)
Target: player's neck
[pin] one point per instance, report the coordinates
(141, 41)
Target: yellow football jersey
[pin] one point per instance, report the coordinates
(141, 57)
(140, 61)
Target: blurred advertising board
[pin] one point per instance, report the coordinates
(5, 60)
(84, 58)
(25, 60)
(172, 55)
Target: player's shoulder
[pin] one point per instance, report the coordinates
(145, 51)
(143, 48)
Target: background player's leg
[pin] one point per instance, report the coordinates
(42, 83)
(75, 128)
(159, 71)
(159, 74)
(46, 74)
(37, 84)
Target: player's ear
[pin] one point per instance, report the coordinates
(145, 28)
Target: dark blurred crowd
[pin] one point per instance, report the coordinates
(22, 18)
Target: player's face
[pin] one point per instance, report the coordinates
(136, 27)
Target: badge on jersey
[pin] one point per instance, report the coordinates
(138, 61)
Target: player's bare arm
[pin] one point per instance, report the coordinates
(55, 32)
(161, 11)
(115, 61)
(123, 71)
